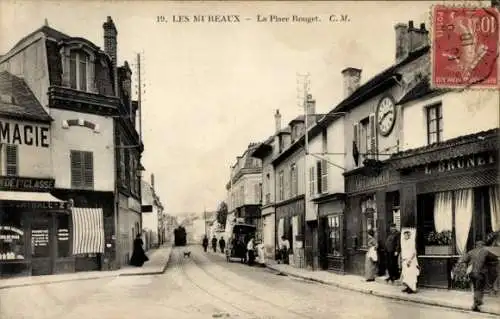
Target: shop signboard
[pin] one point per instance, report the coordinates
(14, 183)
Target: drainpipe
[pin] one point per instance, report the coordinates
(114, 237)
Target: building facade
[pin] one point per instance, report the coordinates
(244, 190)
(34, 224)
(151, 214)
(77, 84)
(449, 174)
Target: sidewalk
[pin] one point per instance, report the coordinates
(461, 300)
(157, 264)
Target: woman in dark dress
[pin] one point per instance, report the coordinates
(138, 255)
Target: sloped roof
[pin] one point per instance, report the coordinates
(48, 31)
(422, 89)
(24, 104)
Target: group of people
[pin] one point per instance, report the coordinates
(243, 246)
(399, 257)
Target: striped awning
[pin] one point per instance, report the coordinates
(88, 230)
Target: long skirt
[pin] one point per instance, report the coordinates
(409, 275)
(370, 268)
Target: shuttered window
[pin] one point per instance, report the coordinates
(82, 169)
(318, 177)
(355, 144)
(311, 181)
(121, 155)
(372, 140)
(11, 160)
(324, 176)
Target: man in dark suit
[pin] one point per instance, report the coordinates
(478, 259)
(392, 250)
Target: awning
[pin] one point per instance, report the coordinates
(88, 230)
(32, 200)
(29, 197)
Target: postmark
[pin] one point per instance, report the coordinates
(465, 47)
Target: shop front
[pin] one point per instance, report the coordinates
(35, 229)
(456, 195)
(290, 217)
(331, 232)
(374, 200)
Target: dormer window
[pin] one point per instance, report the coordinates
(79, 70)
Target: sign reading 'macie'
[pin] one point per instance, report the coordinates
(24, 134)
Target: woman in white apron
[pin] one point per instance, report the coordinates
(409, 263)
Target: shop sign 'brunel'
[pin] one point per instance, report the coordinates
(465, 162)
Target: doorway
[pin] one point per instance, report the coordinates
(42, 244)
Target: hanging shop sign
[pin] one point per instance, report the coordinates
(461, 163)
(12, 183)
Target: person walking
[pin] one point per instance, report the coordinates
(393, 249)
(214, 244)
(251, 251)
(371, 257)
(139, 257)
(410, 269)
(284, 248)
(205, 243)
(478, 260)
(222, 244)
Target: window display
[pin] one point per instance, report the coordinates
(11, 236)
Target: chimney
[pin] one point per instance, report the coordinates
(153, 181)
(402, 43)
(277, 120)
(417, 37)
(352, 79)
(110, 47)
(409, 39)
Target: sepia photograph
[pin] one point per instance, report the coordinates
(249, 159)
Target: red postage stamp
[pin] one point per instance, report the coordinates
(465, 47)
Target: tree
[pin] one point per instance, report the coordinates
(222, 214)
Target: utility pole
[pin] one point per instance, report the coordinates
(139, 95)
(303, 102)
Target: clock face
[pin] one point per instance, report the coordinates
(386, 115)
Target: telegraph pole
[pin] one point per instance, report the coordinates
(139, 94)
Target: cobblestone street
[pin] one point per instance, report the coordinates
(206, 286)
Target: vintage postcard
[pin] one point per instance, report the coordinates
(249, 159)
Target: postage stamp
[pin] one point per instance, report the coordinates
(465, 47)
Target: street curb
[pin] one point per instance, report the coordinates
(105, 275)
(57, 281)
(416, 299)
(152, 273)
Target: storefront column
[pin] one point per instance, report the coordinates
(408, 200)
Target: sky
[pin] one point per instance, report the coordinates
(212, 88)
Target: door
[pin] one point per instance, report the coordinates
(42, 244)
(322, 242)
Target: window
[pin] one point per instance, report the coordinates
(282, 143)
(334, 244)
(82, 169)
(79, 64)
(257, 196)
(294, 180)
(12, 238)
(311, 181)
(318, 177)
(368, 220)
(364, 136)
(281, 185)
(434, 124)
(11, 160)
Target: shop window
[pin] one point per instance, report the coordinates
(368, 218)
(12, 245)
(434, 124)
(334, 244)
(82, 169)
(63, 239)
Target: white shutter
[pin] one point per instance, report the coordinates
(324, 176)
(373, 136)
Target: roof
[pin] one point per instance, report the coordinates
(24, 104)
(48, 31)
(365, 91)
(422, 89)
(301, 118)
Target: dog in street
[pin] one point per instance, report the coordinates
(187, 254)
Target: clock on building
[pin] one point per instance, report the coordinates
(386, 115)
